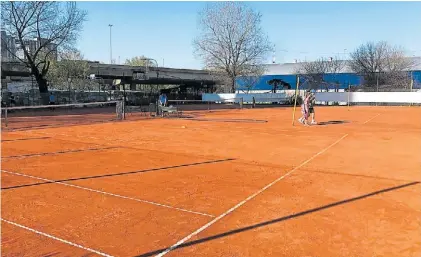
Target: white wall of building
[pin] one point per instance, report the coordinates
(369, 97)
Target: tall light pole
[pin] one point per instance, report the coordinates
(111, 49)
(377, 81)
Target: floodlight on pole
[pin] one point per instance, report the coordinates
(111, 49)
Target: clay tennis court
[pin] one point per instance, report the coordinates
(223, 185)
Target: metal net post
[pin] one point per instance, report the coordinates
(119, 110)
(123, 109)
(5, 116)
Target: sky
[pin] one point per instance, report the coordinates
(299, 30)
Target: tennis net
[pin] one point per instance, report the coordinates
(201, 105)
(31, 117)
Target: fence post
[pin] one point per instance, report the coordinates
(349, 92)
(411, 86)
(295, 101)
(124, 109)
(5, 116)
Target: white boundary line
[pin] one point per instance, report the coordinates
(56, 238)
(110, 194)
(247, 199)
(372, 118)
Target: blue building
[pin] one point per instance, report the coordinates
(287, 73)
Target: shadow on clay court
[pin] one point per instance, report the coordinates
(24, 139)
(292, 216)
(332, 122)
(59, 152)
(118, 174)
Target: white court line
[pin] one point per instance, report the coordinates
(247, 199)
(372, 118)
(110, 194)
(56, 238)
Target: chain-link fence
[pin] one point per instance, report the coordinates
(132, 98)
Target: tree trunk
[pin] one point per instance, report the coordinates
(43, 88)
(233, 85)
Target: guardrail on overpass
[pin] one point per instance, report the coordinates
(128, 73)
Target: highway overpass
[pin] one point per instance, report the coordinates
(129, 74)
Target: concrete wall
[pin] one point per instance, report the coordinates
(370, 97)
(279, 97)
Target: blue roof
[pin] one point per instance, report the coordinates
(292, 68)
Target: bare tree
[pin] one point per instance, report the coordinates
(231, 40)
(335, 67)
(381, 63)
(314, 73)
(53, 25)
(222, 80)
(251, 77)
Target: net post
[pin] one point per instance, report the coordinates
(119, 110)
(411, 86)
(5, 116)
(124, 109)
(241, 103)
(295, 100)
(209, 103)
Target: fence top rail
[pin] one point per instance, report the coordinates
(57, 105)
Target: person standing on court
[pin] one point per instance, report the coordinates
(163, 99)
(305, 109)
(312, 102)
(52, 99)
(162, 102)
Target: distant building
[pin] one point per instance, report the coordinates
(287, 72)
(8, 47)
(34, 44)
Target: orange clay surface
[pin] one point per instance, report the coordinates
(138, 187)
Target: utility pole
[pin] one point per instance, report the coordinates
(111, 49)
